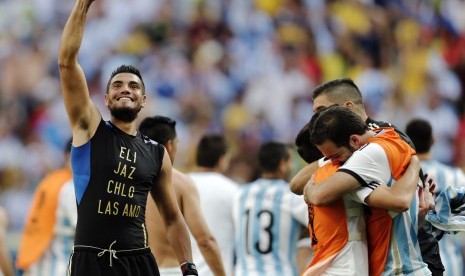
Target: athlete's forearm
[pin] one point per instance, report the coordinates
(406, 187)
(178, 236)
(301, 178)
(210, 251)
(73, 33)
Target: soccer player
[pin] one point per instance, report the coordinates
(420, 131)
(368, 160)
(344, 92)
(338, 228)
(163, 130)
(114, 168)
(47, 240)
(216, 198)
(268, 217)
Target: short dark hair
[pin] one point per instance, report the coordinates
(306, 150)
(210, 149)
(159, 128)
(336, 124)
(339, 91)
(126, 69)
(270, 154)
(421, 134)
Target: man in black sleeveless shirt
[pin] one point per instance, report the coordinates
(344, 92)
(114, 169)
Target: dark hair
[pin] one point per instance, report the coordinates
(336, 124)
(209, 150)
(421, 134)
(306, 150)
(159, 128)
(271, 154)
(339, 91)
(126, 69)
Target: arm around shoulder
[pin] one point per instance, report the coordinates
(331, 189)
(301, 178)
(398, 197)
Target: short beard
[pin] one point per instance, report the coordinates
(124, 114)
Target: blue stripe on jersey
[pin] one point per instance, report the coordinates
(276, 225)
(293, 243)
(242, 226)
(441, 178)
(256, 230)
(80, 163)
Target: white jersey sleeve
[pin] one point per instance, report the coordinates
(370, 166)
(300, 208)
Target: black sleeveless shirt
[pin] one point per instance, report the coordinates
(113, 174)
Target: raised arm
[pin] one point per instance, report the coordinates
(82, 113)
(301, 178)
(165, 199)
(399, 196)
(199, 228)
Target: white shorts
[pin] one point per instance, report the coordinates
(170, 271)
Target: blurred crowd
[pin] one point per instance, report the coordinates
(245, 68)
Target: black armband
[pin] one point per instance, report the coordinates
(189, 269)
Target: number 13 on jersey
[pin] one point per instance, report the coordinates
(258, 231)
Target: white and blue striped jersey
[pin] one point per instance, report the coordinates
(370, 165)
(267, 221)
(450, 246)
(54, 261)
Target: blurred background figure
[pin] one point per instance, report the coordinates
(162, 130)
(216, 199)
(421, 133)
(48, 237)
(6, 262)
(269, 218)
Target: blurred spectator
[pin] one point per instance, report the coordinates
(421, 133)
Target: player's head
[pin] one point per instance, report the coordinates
(125, 93)
(306, 150)
(342, 92)
(337, 133)
(274, 158)
(162, 130)
(421, 134)
(211, 152)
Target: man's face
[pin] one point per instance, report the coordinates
(337, 155)
(125, 97)
(289, 166)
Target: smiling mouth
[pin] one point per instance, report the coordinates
(124, 99)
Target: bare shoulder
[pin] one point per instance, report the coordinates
(183, 183)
